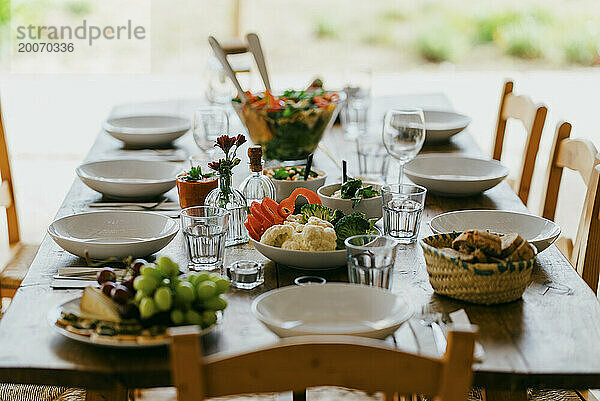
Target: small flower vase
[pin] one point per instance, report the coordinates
(227, 197)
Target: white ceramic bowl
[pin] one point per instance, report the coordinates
(455, 175)
(302, 259)
(372, 207)
(538, 231)
(332, 309)
(440, 126)
(129, 179)
(115, 233)
(147, 130)
(284, 188)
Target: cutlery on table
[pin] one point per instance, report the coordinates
(433, 321)
(163, 204)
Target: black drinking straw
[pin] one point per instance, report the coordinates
(344, 172)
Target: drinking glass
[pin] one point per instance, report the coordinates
(354, 115)
(209, 123)
(373, 160)
(205, 231)
(403, 135)
(246, 274)
(403, 206)
(371, 260)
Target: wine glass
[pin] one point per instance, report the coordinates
(403, 135)
(209, 124)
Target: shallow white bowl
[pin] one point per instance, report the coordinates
(332, 309)
(372, 208)
(129, 178)
(303, 259)
(284, 188)
(147, 130)
(455, 175)
(440, 126)
(538, 231)
(113, 233)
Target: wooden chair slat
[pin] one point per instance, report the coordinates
(302, 362)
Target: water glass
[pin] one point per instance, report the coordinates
(371, 260)
(246, 274)
(373, 160)
(209, 123)
(205, 231)
(403, 206)
(354, 114)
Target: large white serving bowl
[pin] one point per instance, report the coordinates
(147, 130)
(129, 179)
(284, 188)
(318, 260)
(455, 175)
(538, 231)
(332, 309)
(440, 126)
(372, 207)
(113, 233)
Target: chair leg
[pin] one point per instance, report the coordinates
(299, 396)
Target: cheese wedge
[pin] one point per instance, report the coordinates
(95, 305)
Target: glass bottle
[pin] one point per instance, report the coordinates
(257, 186)
(228, 197)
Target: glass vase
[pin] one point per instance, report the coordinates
(227, 197)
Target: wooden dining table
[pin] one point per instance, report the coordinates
(547, 339)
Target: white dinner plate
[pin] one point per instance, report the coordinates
(72, 306)
(538, 231)
(440, 126)
(147, 130)
(332, 309)
(455, 175)
(317, 260)
(129, 179)
(117, 234)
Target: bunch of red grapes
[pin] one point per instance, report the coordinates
(121, 291)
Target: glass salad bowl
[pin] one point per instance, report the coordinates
(289, 127)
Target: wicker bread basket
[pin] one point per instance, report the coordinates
(480, 283)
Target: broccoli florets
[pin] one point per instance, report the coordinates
(347, 226)
(320, 211)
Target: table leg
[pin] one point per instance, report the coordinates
(118, 393)
(504, 395)
(299, 396)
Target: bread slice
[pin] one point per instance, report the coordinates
(523, 252)
(490, 244)
(452, 253)
(510, 242)
(480, 256)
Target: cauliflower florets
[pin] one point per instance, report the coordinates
(277, 235)
(298, 227)
(297, 218)
(296, 241)
(315, 221)
(318, 238)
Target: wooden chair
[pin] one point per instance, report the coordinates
(579, 155)
(15, 263)
(532, 117)
(298, 363)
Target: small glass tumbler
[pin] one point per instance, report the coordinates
(373, 159)
(371, 260)
(205, 231)
(209, 123)
(246, 274)
(403, 206)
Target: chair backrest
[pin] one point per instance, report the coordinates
(588, 250)
(533, 118)
(579, 155)
(7, 197)
(298, 363)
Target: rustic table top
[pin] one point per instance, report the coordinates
(549, 338)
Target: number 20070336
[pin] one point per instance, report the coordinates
(45, 47)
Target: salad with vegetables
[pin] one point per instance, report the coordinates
(289, 173)
(288, 126)
(355, 190)
(315, 228)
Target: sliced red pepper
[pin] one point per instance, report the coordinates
(256, 224)
(253, 234)
(286, 206)
(272, 209)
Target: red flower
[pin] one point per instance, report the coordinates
(240, 140)
(225, 143)
(215, 165)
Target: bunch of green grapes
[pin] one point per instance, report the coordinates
(194, 299)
